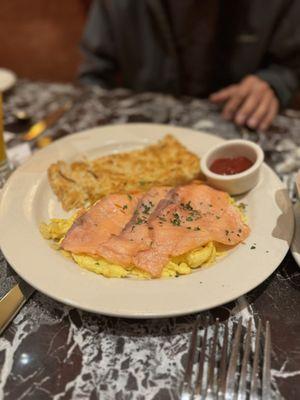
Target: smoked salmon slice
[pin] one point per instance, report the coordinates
(147, 230)
(104, 219)
(197, 215)
(136, 236)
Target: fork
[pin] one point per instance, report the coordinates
(226, 369)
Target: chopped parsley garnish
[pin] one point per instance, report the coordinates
(146, 209)
(252, 247)
(139, 221)
(187, 206)
(176, 221)
(125, 207)
(129, 196)
(197, 228)
(242, 206)
(190, 218)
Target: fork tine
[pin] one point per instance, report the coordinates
(243, 376)
(255, 368)
(223, 365)
(199, 385)
(230, 379)
(266, 375)
(210, 392)
(186, 386)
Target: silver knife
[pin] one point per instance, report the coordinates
(12, 302)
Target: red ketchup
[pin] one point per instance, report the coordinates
(230, 166)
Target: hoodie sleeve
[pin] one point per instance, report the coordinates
(97, 45)
(283, 73)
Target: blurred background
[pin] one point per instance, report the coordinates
(42, 37)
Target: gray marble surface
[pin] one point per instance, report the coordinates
(52, 351)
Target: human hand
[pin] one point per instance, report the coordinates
(251, 102)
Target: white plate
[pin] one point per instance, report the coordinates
(27, 200)
(7, 79)
(296, 240)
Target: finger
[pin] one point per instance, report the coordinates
(242, 91)
(233, 104)
(261, 111)
(268, 119)
(223, 95)
(247, 108)
(258, 91)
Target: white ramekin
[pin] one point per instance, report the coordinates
(237, 183)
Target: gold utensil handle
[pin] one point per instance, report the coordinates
(45, 123)
(10, 304)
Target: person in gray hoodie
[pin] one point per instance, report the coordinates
(243, 54)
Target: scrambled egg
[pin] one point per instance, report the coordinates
(181, 265)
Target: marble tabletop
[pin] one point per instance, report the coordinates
(52, 351)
